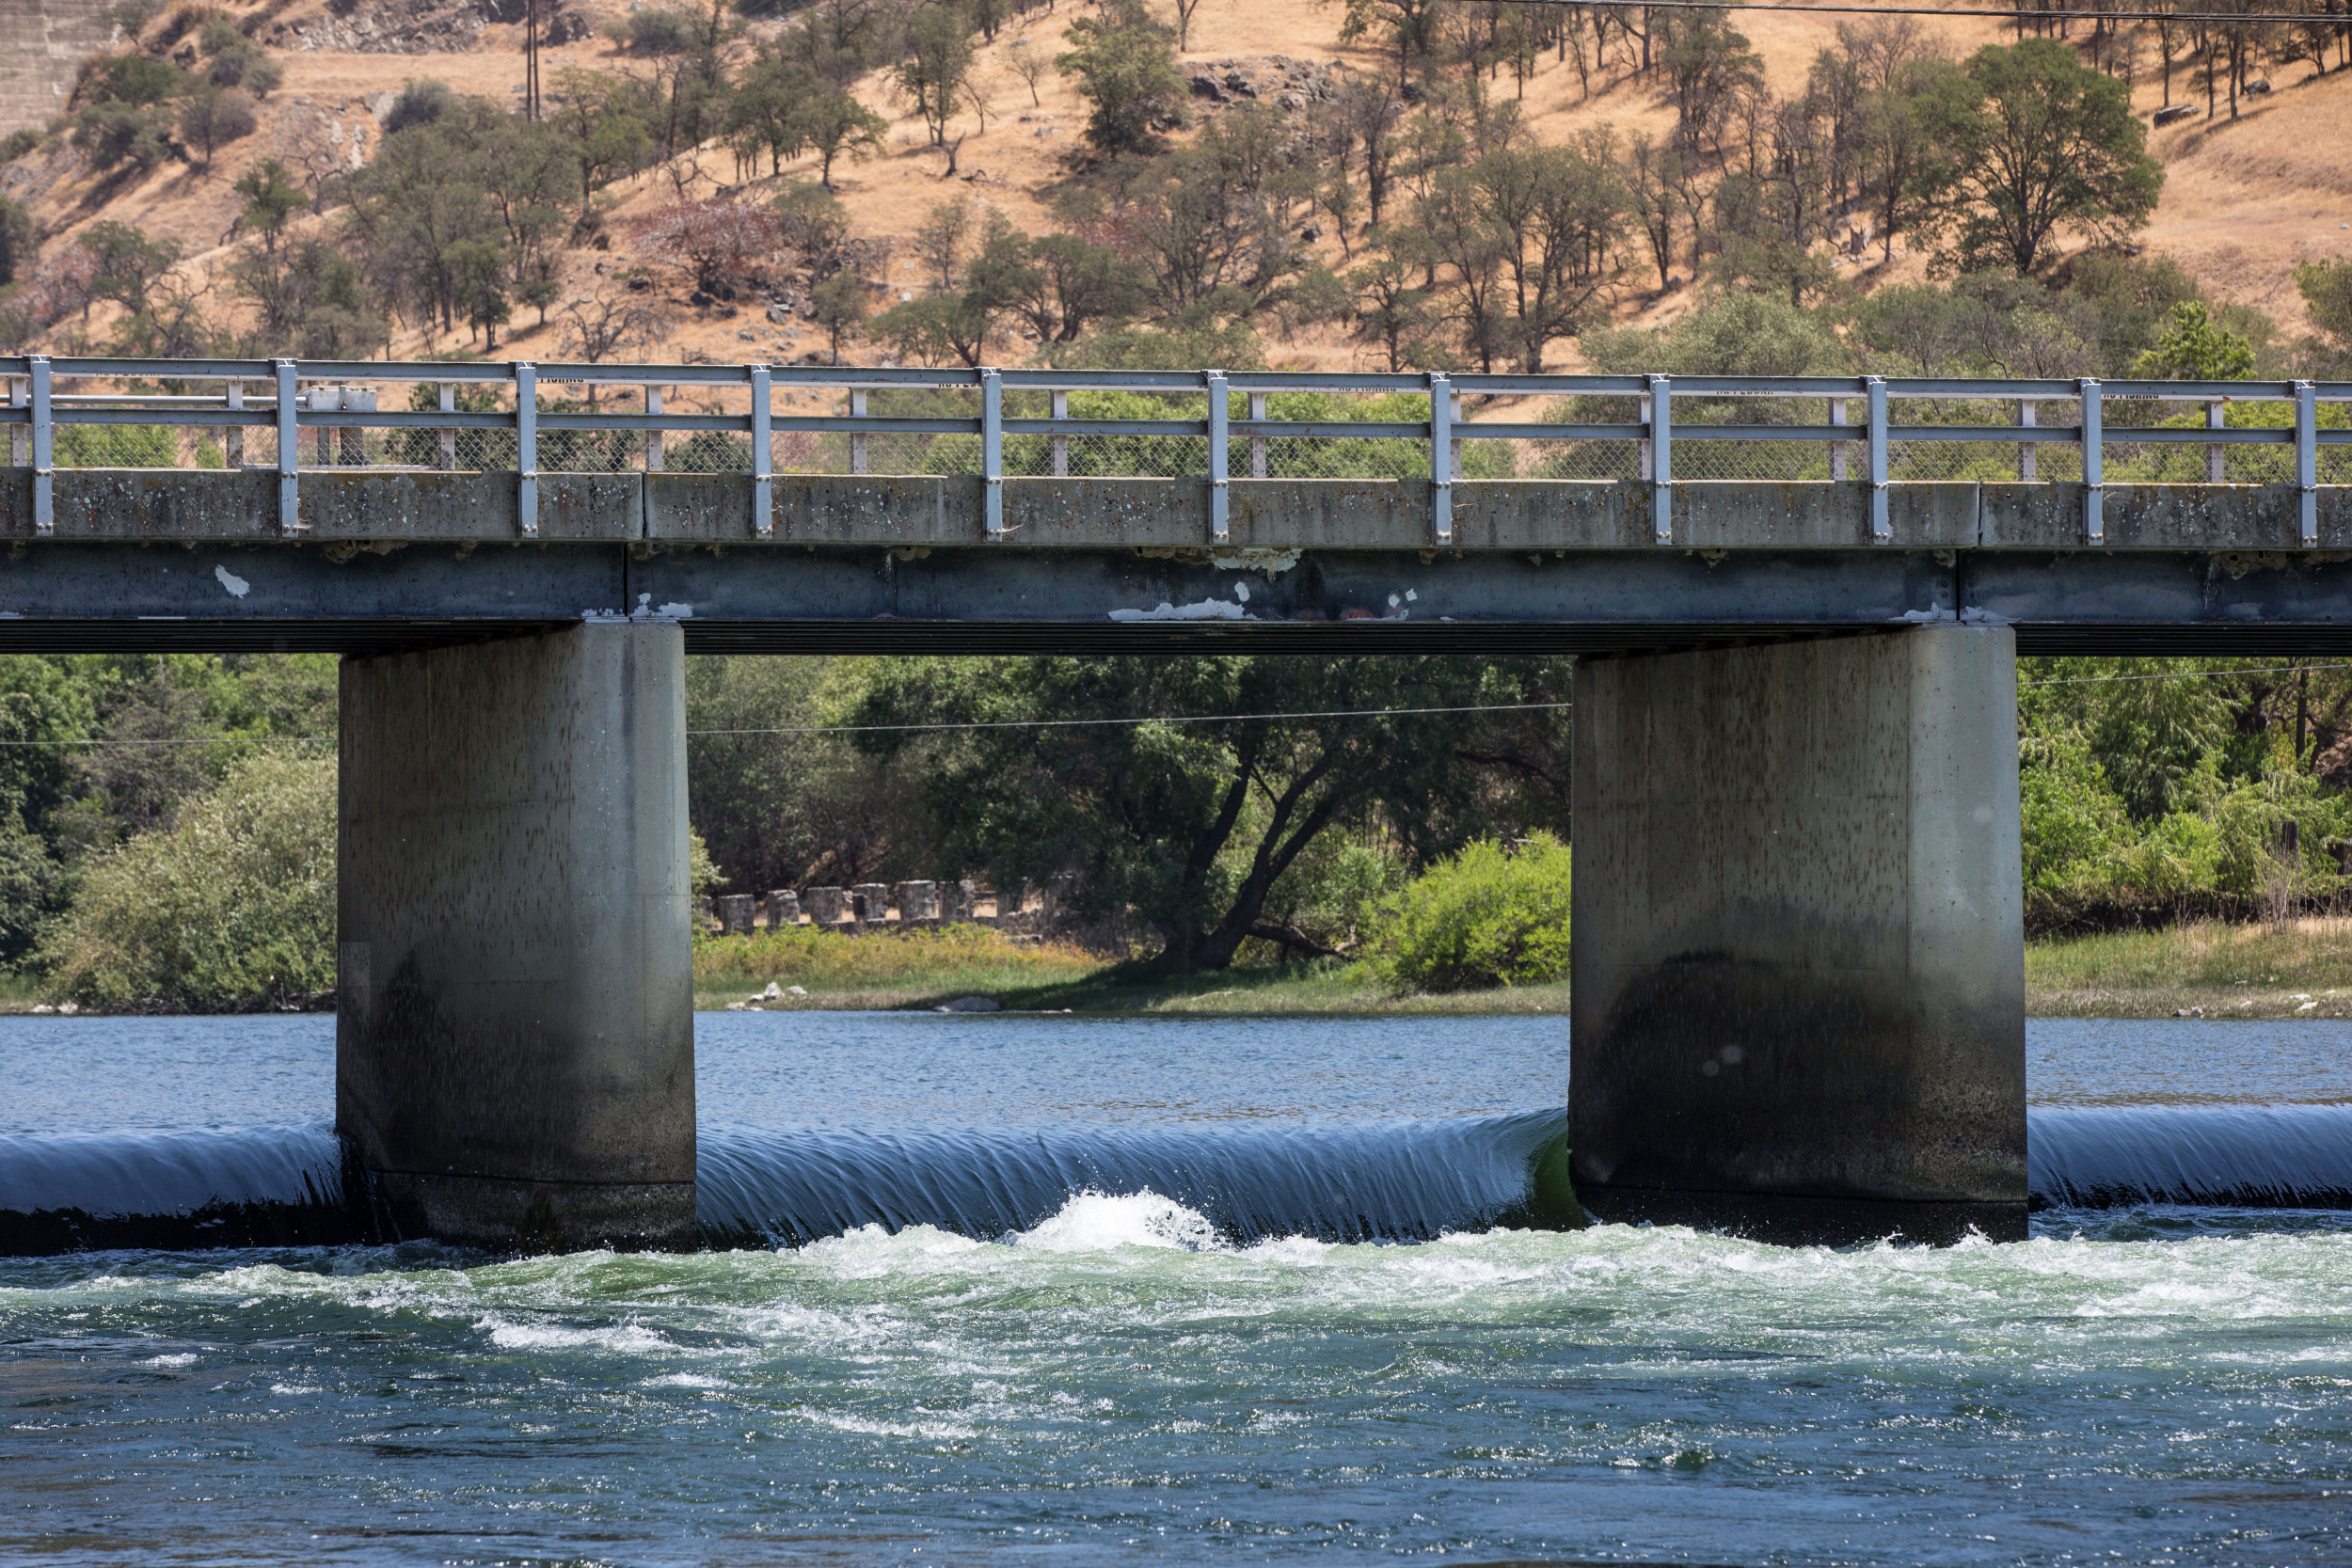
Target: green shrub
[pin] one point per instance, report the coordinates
(115, 446)
(1487, 917)
(230, 910)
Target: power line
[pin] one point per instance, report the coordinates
(202, 740)
(2182, 675)
(1159, 719)
(878, 729)
(1994, 12)
(1165, 718)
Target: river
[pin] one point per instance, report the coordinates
(1078, 1291)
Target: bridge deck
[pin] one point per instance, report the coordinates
(405, 506)
(188, 559)
(181, 558)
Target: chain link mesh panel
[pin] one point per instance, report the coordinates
(161, 444)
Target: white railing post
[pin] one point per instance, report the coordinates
(2217, 465)
(1837, 449)
(2094, 467)
(44, 450)
(1441, 457)
(288, 450)
(1257, 441)
(527, 447)
(448, 443)
(1060, 445)
(1882, 530)
(2307, 463)
(2025, 449)
(1219, 461)
(857, 437)
(763, 456)
(993, 452)
(653, 437)
(1453, 419)
(232, 437)
(1661, 460)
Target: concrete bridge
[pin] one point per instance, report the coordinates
(1798, 979)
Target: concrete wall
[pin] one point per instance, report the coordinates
(911, 515)
(1799, 971)
(515, 1050)
(42, 44)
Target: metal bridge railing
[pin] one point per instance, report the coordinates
(296, 417)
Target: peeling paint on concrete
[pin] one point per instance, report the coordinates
(1207, 610)
(1273, 562)
(237, 586)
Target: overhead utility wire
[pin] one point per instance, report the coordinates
(870, 729)
(1168, 718)
(201, 740)
(1994, 12)
(2183, 675)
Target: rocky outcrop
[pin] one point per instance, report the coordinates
(1288, 85)
(420, 27)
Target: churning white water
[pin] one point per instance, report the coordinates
(1117, 1353)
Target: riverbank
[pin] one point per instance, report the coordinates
(927, 969)
(2299, 969)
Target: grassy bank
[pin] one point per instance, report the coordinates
(2300, 970)
(927, 969)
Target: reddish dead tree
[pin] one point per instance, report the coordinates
(716, 240)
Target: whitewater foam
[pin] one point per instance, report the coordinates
(1099, 1222)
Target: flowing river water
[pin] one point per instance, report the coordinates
(1079, 1290)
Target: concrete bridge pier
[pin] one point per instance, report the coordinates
(1799, 968)
(515, 1046)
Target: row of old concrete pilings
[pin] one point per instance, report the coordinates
(869, 906)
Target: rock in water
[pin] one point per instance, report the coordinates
(969, 1004)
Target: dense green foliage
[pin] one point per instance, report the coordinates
(1125, 66)
(110, 747)
(2028, 142)
(1489, 915)
(798, 808)
(230, 909)
(2151, 790)
(1190, 828)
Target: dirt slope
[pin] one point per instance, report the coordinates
(2243, 202)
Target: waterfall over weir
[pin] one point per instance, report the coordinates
(1398, 1180)
(2241, 1156)
(1394, 1181)
(285, 1186)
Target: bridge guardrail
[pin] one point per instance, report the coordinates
(990, 424)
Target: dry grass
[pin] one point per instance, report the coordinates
(2243, 202)
(2301, 970)
(927, 969)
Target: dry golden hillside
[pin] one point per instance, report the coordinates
(2243, 202)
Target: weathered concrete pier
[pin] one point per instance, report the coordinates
(1799, 970)
(1798, 990)
(513, 1035)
